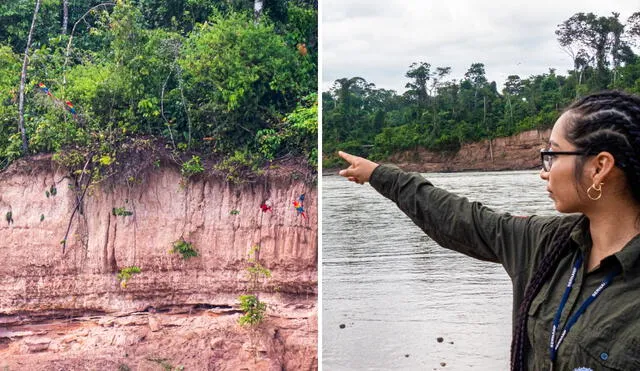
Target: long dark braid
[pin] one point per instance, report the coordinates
(558, 249)
(607, 121)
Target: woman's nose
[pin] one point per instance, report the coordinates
(544, 174)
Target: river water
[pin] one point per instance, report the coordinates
(396, 291)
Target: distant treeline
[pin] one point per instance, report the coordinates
(234, 80)
(441, 114)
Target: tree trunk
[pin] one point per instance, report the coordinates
(65, 16)
(484, 111)
(511, 124)
(23, 77)
(257, 9)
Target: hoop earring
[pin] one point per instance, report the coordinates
(595, 188)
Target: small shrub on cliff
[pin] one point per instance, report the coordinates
(121, 211)
(184, 248)
(251, 305)
(71, 158)
(253, 310)
(191, 167)
(125, 275)
(256, 270)
(242, 165)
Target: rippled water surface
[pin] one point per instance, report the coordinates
(396, 291)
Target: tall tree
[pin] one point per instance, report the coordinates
(633, 28)
(419, 73)
(590, 37)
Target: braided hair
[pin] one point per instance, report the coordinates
(609, 121)
(606, 121)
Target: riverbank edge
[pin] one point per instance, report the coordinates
(517, 152)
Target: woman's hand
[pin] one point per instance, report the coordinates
(360, 169)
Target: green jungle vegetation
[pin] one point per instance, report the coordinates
(212, 84)
(442, 114)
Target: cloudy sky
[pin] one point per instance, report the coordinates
(378, 39)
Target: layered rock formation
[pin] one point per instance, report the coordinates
(518, 152)
(68, 310)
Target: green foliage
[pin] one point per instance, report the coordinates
(70, 159)
(202, 75)
(9, 217)
(297, 135)
(250, 304)
(269, 142)
(240, 166)
(41, 218)
(301, 131)
(442, 114)
(253, 310)
(255, 270)
(191, 167)
(9, 80)
(184, 248)
(126, 274)
(121, 211)
(239, 75)
(234, 212)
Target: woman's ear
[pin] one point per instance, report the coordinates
(601, 166)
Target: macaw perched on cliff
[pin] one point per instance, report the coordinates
(266, 206)
(299, 206)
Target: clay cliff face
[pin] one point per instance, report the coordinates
(518, 152)
(78, 306)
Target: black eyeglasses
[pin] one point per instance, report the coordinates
(547, 157)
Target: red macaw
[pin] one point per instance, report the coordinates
(266, 206)
(44, 89)
(70, 107)
(299, 206)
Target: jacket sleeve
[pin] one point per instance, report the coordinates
(467, 227)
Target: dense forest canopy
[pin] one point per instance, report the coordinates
(233, 81)
(441, 114)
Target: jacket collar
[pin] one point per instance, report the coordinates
(628, 257)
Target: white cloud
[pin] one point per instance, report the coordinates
(378, 40)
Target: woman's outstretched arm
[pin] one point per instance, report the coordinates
(456, 223)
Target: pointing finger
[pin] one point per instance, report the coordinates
(347, 157)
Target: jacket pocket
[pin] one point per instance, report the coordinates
(606, 352)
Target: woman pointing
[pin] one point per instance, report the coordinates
(576, 277)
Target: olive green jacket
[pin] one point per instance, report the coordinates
(605, 337)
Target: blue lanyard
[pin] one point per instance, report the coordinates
(554, 345)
